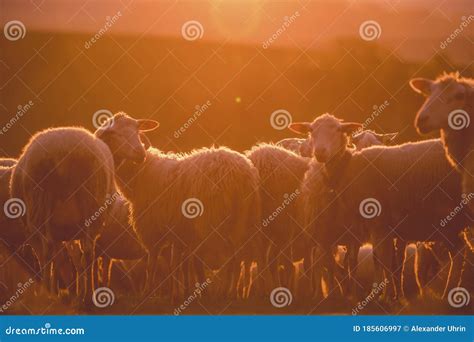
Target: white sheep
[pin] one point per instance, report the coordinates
(11, 230)
(298, 145)
(205, 202)
(380, 193)
(118, 239)
(361, 139)
(367, 138)
(281, 172)
(449, 107)
(63, 177)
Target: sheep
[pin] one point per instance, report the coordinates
(361, 139)
(13, 237)
(205, 202)
(11, 230)
(367, 138)
(380, 193)
(297, 145)
(449, 108)
(281, 172)
(118, 239)
(63, 177)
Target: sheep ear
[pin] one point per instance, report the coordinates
(388, 137)
(300, 127)
(422, 85)
(350, 127)
(145, 125)
(145, 141)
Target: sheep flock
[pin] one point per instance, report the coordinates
(340, 219)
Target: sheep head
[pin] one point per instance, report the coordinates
(447, 99)
(124, 134)
(328, 135)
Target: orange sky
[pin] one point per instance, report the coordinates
(425, 22)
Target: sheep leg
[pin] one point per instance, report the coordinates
(273, 264)
(176, 257)
(307, 276)
(262, 275)
(317, 276)
(46, 263)
(245, 281)
(382, 254)
(96, 273)
(455, 270)
(200, 272)
(88, 262)
(54, 286)
(329, 263)
(242, 281)
(230, 279)
(398, 267)
(152, 261)
(287, 271)
(353, 290)
(106, 270)
(421, 273)
(186, 276)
